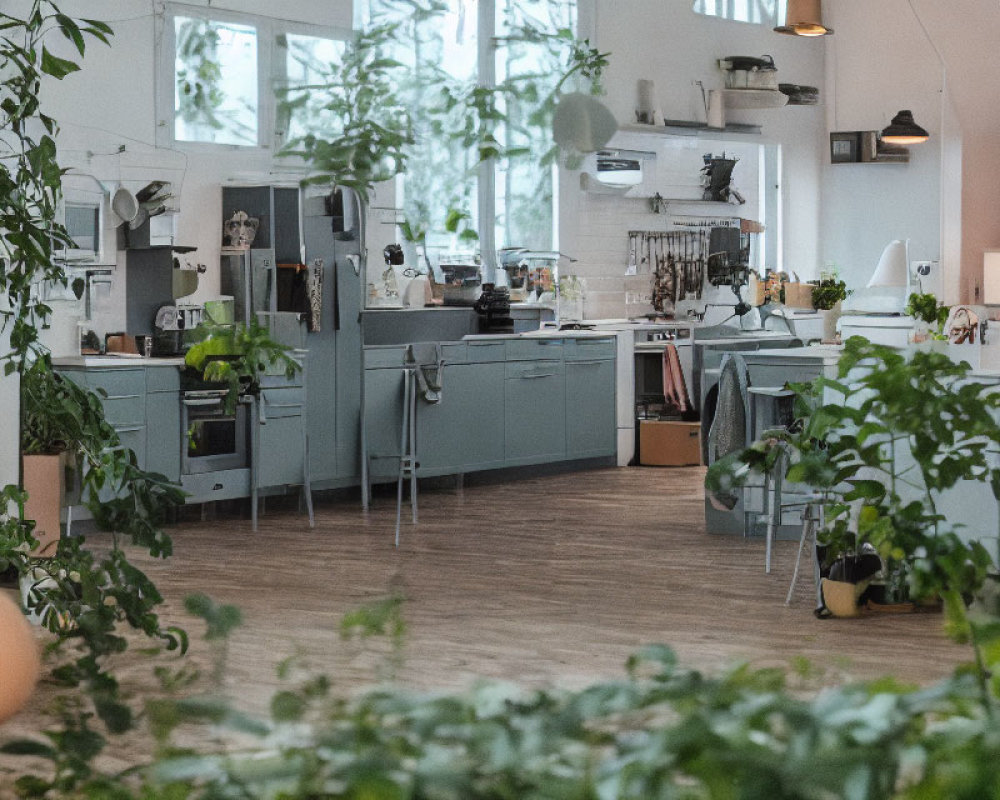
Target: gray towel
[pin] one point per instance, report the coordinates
(429, 368)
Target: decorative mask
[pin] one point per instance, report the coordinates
(240, 230)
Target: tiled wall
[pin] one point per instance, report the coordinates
(597, 225)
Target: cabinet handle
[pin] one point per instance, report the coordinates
(211, 401)
(130, 429)
(539, 375)
(123, 397)
(589, 363)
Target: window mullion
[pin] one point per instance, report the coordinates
(265, 84)
(487, 169)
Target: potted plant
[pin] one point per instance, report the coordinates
(236, 356)
(827, 296)
(880, 444)
(929, 316)
(49, 421)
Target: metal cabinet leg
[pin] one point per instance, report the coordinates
(404, 447)
(413, 453)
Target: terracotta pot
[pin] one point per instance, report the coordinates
(841, 598)
(44, 481)
(19, 661)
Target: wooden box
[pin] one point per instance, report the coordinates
(669, 444)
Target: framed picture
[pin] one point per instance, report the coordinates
(844, 147)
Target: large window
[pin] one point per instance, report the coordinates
(513, 45)
(764, 12)
(221, 74)
(226, 77)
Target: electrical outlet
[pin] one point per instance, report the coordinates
(921, 269)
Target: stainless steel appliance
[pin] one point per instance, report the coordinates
(170, 323)
(214, 438)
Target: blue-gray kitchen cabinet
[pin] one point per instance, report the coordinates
(534, 412)
(465, 431)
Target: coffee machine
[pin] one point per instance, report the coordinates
(171, 322)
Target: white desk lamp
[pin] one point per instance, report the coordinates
(892, 271)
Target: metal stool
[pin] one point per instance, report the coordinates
(812, 517)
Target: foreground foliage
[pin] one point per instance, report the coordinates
(659, 732)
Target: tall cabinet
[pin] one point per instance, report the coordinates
(294, 234)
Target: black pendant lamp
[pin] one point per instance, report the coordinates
(904, 130)
(804, 18)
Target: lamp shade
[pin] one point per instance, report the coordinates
(892, 269)
(904, 130)
(582, 123)
(804, 18)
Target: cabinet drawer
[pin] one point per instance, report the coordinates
(485, 352)
(589, 349)
(520, 349)
(118, 382)
(163, 379)
(376, 357)
(529, 370)
(125, 409)
(279, 403)
(220, 485)
(134, 438)
(455, 353)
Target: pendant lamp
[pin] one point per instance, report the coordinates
(904, 130)
(804, 18)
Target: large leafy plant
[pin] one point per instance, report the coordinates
(237, 356)
(880, 443)
(659, 731)
(366, 124)
(30, 175)
(82, 599)
(382, 114)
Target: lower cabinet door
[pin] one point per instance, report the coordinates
(465, 431)
(279, 460)
(534, 409)
(590, 409)
(163, 435)
(383, 418)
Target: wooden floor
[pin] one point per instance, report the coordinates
(539, 580)
(552, 580)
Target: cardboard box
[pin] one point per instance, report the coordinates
(669, 444)
(798, 295)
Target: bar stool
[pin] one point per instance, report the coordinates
(812, 517)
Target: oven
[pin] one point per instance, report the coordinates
(214, 438)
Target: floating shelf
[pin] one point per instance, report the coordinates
(674, 127)
(754, 98)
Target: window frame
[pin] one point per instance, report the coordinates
(270, 74)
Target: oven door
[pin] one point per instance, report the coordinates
(214, 440)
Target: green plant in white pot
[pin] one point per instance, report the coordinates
(928, 314)
(827, 297)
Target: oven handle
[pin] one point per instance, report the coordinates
(211, 401)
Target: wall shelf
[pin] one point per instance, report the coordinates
(674, 127)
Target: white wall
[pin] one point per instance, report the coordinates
(879, 62)
(666, 42)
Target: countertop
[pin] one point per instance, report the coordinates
(120, 361)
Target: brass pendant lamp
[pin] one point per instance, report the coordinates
(804, 18)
